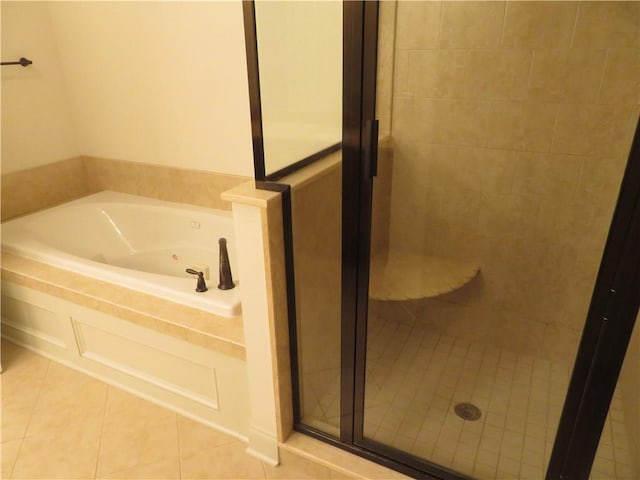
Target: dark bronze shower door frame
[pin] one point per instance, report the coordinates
(611, 316)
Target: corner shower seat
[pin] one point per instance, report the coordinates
(411, 276)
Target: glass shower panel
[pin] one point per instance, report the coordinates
(316, 204)
(503, 142)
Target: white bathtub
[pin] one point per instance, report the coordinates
(135, 242)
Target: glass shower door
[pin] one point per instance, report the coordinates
(503, 141)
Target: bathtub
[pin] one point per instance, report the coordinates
(135, 242)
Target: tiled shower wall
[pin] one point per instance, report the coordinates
(511, 123)
(32, 189)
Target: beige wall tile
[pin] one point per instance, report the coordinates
(607, 25)
(459, 122)
(495, 170)
(471, 168)
(417, 24)
(507, 215)
(471, 24)
(422, 72)
(407, 225)
(593, 129)
(621, 80)
(539, 24)
(437, 73)
(549, 170)
(566, 76)
(165, 183)
(498, 73)
(381, 207)
(401, 73)
(601, 177)
(26, 191)
(547, 175)
(521, 126)
(412, 120)
(451, 69)
(386, 50)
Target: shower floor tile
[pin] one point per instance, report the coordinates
(416, 377)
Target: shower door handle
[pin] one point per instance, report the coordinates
(371, 147)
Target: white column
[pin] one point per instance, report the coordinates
(250, 231)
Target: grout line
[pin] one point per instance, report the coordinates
(601, 83)
(104, 416)
(394, 53)
(26, 428)
(527, 97)
(575, 25)
(178, 433)
(504, 23)
(441, 14)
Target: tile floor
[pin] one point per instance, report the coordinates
(59, 423)
(415, 377)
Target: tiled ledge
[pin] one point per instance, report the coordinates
(336, 459)
(224, 335)
(33, 189)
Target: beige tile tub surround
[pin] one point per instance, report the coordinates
(511, 124)
(33, 189)
(172, 184)
(207, 330)
(41, 187)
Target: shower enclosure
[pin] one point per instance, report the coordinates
(510, 125)
(466, 269)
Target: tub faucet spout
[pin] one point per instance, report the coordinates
(226, 279)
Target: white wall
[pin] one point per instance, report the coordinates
(36, 118)
(161, 83)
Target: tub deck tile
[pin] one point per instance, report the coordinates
(205, 329)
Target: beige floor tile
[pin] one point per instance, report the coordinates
(335, 475)
(69, 454)
(28, 363)
(15, 419)
(228, 461)
(59, 374)
(293, 466)
(22, 376)
(66, 398)
(167, 468)
(123, 405)
(196, 438)
(135, 442)
(9, 452)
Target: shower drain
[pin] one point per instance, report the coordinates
(467, 411)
